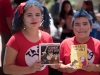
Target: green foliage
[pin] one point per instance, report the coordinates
(47, 1)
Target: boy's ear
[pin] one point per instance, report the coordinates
(91, 27)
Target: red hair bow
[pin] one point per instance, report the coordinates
(20, 8)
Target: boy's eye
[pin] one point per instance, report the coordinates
(85, 24)
(77, 25)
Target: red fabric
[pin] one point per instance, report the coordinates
(5, 11)
(13, 10)
(28, 51)
(93, 54)
(20, 8)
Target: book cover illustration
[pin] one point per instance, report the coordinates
(49, 53)
(79, 55)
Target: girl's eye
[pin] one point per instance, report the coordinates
(37, 14)
(29, 15)
(85, 24)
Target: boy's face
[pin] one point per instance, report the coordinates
(82, 27)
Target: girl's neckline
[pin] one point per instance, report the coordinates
(30, 41)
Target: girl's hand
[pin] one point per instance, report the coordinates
(36, 66)
(56, 66)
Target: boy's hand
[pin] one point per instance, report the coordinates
(70, 69)
(89, 67)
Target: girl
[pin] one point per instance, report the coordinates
(65, 17)
(21, 57)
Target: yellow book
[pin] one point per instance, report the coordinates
(79, 55)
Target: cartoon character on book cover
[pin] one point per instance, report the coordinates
(79, 55)
(83, 61)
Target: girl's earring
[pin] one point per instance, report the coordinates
(41, 21)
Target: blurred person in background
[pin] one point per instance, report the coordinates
(11, 12)
(88, 6)
(55, 12)
(5, 23)
(65, 18)
(16, 3)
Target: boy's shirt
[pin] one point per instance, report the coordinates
(93, 54)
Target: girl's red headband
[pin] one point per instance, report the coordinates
(20, 8)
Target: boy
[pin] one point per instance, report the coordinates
(82, 26)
